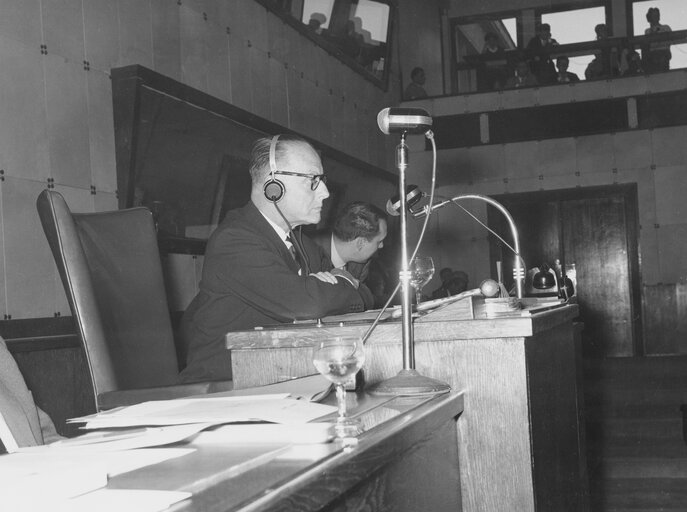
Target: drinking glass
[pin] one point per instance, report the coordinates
(338, 359)
(421, 272)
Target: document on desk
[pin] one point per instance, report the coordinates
(217, 411)
(62, 475)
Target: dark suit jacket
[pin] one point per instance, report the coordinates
(357, 270)
(250, 279)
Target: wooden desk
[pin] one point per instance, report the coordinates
(520, 439)
(406, 461)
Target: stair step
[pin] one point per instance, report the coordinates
(638, 494)
(598, 451)
(644, 467)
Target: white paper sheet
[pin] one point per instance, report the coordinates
(269, 408)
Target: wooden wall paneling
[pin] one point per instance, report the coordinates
(104, 201)
(63, 28)
(554, 94)
(277, 38)
(29, 268)
(67, 121)
(239, 67)
(101, 38)
(298, 100)
(193, 30)
(485, 102)
(338, 107)
(21, 21)
(556, 157)
(671, 189)
(180, 280)
(60, 384)
(349, 121)
(521, 159)
(632, 149)
(592, 90)
(103, 165)
(595, 153)
(667, 146)
(453, 169)
(672, 258)
(3, 284)
(217, 59)
(665, 324)
(278, 87)
(135, 33)
(23, 135)
(259, 66)
(660, 82)
(487, 162)
(166, 35)
(630, 86)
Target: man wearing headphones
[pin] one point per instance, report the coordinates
(258, 270)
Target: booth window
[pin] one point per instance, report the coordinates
(355, 31)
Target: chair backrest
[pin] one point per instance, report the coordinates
(110, 267)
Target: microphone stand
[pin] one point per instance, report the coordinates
(408, 381)
(518, 267)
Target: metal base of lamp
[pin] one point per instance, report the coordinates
(410, 383)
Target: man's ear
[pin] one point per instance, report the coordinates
(360, 243)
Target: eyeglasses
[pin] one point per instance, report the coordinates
(315, 179)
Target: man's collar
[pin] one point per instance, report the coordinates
(277, 228)
(337, 260)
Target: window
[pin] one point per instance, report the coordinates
(355, 31)
(674, 14)
(575, 26)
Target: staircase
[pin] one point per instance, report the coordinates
(636, 454)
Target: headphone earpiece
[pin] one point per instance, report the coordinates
(273, 189)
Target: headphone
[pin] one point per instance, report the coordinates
(273, 189)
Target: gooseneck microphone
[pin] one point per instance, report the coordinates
(404, 120)
(413, 196)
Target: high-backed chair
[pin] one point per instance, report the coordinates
(110, 267)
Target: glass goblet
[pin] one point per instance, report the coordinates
(338, 359)
(421, 272)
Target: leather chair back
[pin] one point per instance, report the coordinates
(110, 267)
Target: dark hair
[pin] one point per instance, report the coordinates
(490, 35)
(563, 58)
(416, 71)
(259, 165)
(651, 11)
(544, 27)
(358, 219)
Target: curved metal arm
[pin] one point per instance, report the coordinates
(519, 271)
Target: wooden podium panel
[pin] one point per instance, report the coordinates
(520, 438)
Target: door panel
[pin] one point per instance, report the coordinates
(595, 228)
(595, 239)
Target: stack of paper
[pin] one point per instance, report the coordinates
(218, 410)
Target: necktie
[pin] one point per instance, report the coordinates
(292, 250)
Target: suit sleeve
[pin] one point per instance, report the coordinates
(260, 272)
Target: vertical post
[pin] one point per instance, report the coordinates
(404, 274)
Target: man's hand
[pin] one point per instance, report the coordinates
(325, 277)
(339, 272)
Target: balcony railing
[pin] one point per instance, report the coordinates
(617, 57)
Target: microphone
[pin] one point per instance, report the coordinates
(413, 196)
(404, 120)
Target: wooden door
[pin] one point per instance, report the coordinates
(595, 228)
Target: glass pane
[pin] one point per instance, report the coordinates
(576, 26)
(673, 14)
